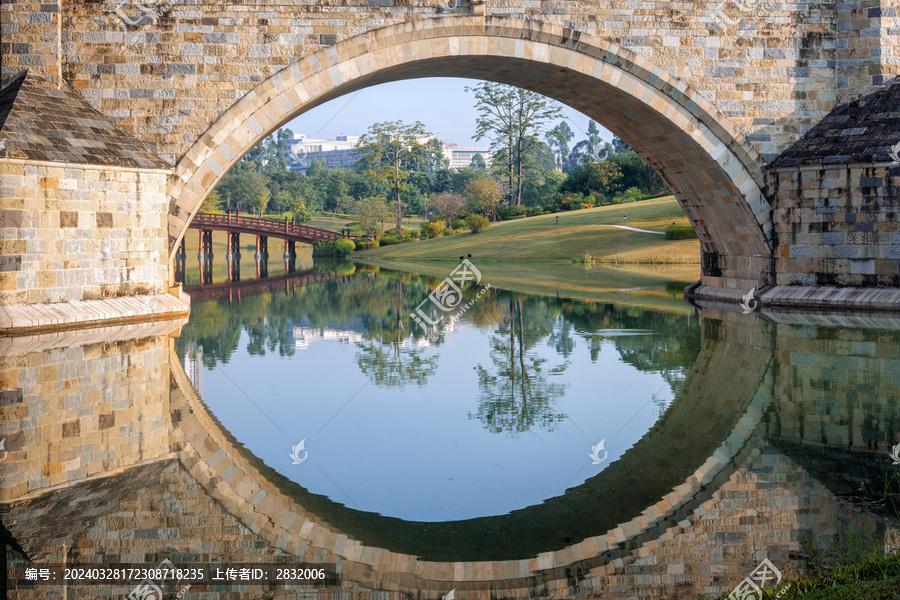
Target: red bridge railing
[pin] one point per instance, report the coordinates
(262, 226)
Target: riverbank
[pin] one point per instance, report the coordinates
(589, 231)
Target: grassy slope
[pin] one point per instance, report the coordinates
(578, 232)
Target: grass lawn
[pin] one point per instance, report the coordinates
(578, 233)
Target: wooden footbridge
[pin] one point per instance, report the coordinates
(262, 228)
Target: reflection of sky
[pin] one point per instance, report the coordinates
(414, 453)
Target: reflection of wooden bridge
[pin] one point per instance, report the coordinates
(235, 290)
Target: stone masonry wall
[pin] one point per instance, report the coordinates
(838, 226)
(76, 232)
(771, 70)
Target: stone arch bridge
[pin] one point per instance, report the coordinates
(709, 93)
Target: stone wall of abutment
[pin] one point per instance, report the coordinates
(773, 70)
(81, 406)
(838, 226)
(73, 232)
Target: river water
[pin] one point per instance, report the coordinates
(600, 437)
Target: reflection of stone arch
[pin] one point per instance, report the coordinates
(717, 175)
(656, 482)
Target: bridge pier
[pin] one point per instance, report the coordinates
(290, 254)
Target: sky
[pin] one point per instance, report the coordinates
(441, 103)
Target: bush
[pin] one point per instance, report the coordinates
(433, 229)
(680, 232)
(409, 235)
(458, 224)
(336, 249)
(534, 211)
(510, 212)
(367, 244)
(632, 194)
(389, 239)
(477, 223)
(571, 202)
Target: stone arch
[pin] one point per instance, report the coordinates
(716, 174)
(660, 479)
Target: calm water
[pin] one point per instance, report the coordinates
(535, 443)
(497, 411)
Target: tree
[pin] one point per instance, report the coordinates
(371, 213)
(604, 177)
(213, 201)
(592, 149)
(258, 193)
(447, 206)
(620, 147)
(559, 138)
(513, 118)
(484, 196)
(477, 162)
(387, 152)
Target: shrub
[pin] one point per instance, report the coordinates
(433, 229)
(335, 249)
(510, 212)
(477, 223)
(409, 235)
(680, 232)
(389, 239)
(632, 194)
(366, 244)
(571, 202)
(534, 211)
(458, 224)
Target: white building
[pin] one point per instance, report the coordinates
(341, 152)
(461, 156)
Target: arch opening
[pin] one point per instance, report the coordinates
(716, 175)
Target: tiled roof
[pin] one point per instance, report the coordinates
(40, 122)
(864, 131)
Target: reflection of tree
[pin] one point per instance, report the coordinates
(517, 395)
(669, 344)
(387, 357)
(378, 303)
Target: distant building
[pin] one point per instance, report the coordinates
(461, 156)
(341, 152)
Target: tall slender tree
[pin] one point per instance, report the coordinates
(513, 118)
(388, 151)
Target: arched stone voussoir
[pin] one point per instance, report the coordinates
(717, 175)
